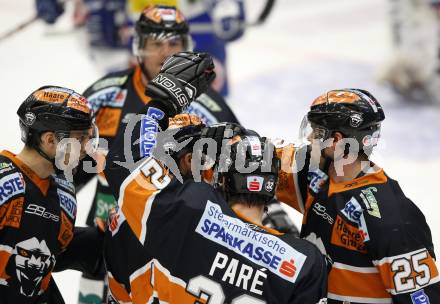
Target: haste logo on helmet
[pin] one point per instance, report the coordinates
(60, 95)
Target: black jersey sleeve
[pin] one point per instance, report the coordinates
(212, 108)
(84, 252)
(401, 248)
(313, 288)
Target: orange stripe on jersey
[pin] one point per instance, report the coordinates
(155, 280)
(138, 192)
(42, 183)
(378, 177)
(309, 202)
(140, 285)
(11, 213)
(5, 254)
(108, 120)
(170, 289)
(408, 272)
(287, 188)
(136, 200)
(118, 290)
(350, 283)
(139, 86)
(66, 231)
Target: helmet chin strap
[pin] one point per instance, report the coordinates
(45, 156)
(37, 148)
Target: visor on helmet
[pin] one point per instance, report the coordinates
(309, 131)
(154, 43)
(87, 138)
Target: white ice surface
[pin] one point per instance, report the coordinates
(276, 70)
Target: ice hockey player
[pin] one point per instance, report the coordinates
(377, 238)
(190, 242)
(214, 24)
(109, 24)
(37, 202)
(116, 98)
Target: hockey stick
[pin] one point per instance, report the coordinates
(18, 28)
(203, 27)
(264, 13)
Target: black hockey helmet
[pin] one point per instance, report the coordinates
(249, 151)
(355, 113)
(53, 108)
(160, 22)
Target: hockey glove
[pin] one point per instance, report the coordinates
(220, 133)
(182, 78)
(49, 10)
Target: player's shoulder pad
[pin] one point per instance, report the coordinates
(12, 181)
(212, 100)
(212, 108)
(302, 245)
(7, 166)
(196, 194)
(382, 205)
(109, 91)
(110, 80)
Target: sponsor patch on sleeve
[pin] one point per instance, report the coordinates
(112, 81)
(11, 185)
(67, 202)
(149, 130)
(261, 248)
(64, 183)
(420, 297)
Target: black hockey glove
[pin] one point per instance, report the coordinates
(220, 132)
(182, 78)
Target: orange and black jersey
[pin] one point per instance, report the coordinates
(37, 218)
(176, 242)
(377, 238)
(115, 100)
